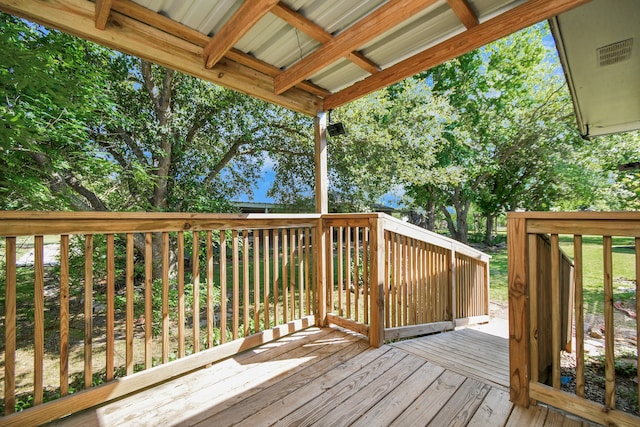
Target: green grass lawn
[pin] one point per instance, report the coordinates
(623, 271)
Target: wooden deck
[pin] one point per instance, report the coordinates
(330, 377)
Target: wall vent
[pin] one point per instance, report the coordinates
(614, 53)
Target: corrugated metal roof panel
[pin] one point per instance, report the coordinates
(339, 75)
(276, 42)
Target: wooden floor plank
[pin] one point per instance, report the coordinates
(314, 411)
(447, 358)
(463, 404)
(429, 403)
(387, 410)
(366, 397)
(533, 416)
(236, 410)
(494, 410)
(471, 356)
(311, 390)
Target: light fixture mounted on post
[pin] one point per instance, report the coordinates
(335, 129)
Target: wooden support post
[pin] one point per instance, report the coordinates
(452, 278)
(376, 320)
(320, 258)
(518, 311)
(321, 174)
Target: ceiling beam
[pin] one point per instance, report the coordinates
(318, 33)
(249, 13)
(133, 37)
(516, 19)
(103, 8)
(377, 22)
(464, 12)
(161, 22)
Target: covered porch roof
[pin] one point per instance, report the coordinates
(306, 55)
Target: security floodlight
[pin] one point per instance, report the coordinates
(335, 129)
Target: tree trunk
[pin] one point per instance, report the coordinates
(488, 233)
(431, 215)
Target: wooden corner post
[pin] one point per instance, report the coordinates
(519, 357)
(376, 318)
(322, 207)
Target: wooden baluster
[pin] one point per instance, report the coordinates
(88, 310)
(348, 271)
(555, 310)
(223, 286)
(331, 259)
(276, 277)
(181, 315)
(210, 270)
(356, 272)
(609, 332)
(267, 280)
(10, 327)
(256, 280)
(38, 336)
(129, 309)
(301, 274)
(340, 272)
(395, 286)
(292, 273)
(165, 297)
(195, 273)
(246, 303)
(111, 295)
(307, 269)
(403, 280)
(579, 313)
(148, 300)
(533, 336)
(64, 315)
(285, 276)
(235, 260)
(387, 277)
(366, 273)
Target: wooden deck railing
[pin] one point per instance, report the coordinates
(426, 282)
(110, 303)
(239, 281)
(540, 307)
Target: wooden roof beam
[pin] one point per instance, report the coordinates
(103, 9)
(464, 13)
(161, 22)
(377, 22)
(237, 26)
(318, 33)
(137, 38)
(509, 22)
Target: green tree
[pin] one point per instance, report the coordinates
(509, 118)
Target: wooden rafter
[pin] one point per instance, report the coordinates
(377, 22)
(137, 38)
(240, 23)
(103, 8)
(502, 25)
(464, 12)
(318, 33)
(161, 22)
